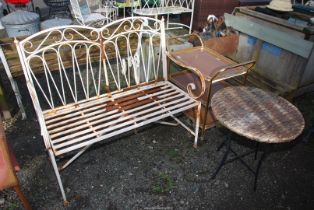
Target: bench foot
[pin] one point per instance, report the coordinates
(55, 168)
(66, 203)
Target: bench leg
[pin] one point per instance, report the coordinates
(55, 168)
(191, 21)
(183, 125)
(75, 157)
(197, 124)
(167, 123)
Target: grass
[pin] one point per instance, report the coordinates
(165, 184)
(172, 153)
(13, 206)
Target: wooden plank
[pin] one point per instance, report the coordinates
(308, 76)
(283, 40)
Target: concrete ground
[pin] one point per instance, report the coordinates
(157, 168)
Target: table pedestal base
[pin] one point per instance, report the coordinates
(225, 160)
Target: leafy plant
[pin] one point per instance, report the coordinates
(165, 183)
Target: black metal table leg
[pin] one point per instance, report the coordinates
(223, 143)
(256, 150)
(223, 160)
(257, 169)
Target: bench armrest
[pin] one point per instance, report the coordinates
(191, 86)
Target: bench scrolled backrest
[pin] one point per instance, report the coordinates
(92, 61)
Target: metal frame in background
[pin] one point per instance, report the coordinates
(127, 4)
(106, 8)
(167, 8)
(82, 13)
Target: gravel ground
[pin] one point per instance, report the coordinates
(157, 168)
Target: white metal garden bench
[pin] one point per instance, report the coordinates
(114, 84)
(154, 8)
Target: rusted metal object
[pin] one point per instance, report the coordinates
(13, 69)
(182, 79)
(117, 88)
(8, 177)
(214, 67)
(223, 45)
(208, 62)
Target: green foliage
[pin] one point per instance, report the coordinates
(172, 153)
(165, 184)
(13, 206)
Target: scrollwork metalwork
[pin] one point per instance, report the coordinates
(83, 57)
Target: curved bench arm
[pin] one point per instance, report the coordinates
(191, 86)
